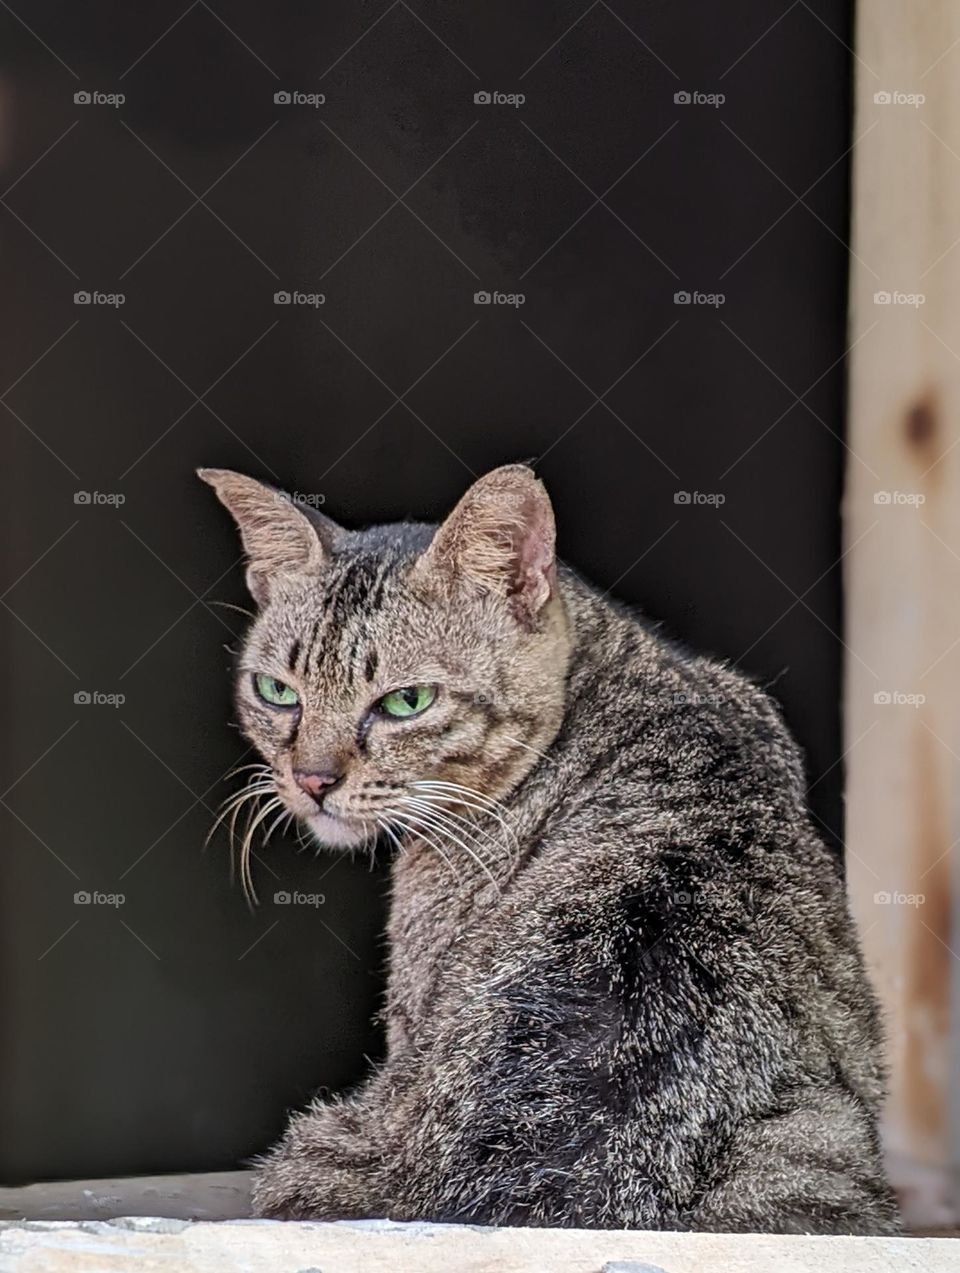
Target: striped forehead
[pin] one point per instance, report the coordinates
(339, 643)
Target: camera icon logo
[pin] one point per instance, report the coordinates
(882, 899)
(882, 497)
(81, 97)
(281, 899)
(482, 98)
(281, 298)
(681, 497)
(682, 98)
(883, 697)
(81, 497)
(481, 298)
(682, 298)
(882, 98)
(882, 298)
(81, 298)
(282, 98)
(81, 697)
(82, 898)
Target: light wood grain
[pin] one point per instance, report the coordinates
(903, 573)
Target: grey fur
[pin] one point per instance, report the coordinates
(657, 1016)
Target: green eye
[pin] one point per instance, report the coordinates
(274, 692)
(410, 701)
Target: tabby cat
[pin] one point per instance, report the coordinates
(624, 987)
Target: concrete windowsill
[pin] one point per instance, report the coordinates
(190, 1224)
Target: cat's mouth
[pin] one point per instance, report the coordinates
(331, 828)
(336, 832)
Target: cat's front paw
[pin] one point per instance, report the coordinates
(322, 1169)
(281, 1191)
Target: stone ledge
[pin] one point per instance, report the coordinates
(169, 1245)
(162, 1224)
(208, 1195)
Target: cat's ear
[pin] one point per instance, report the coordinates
(279, 540)
(501, 539)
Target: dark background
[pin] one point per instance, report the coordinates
(171, 1032)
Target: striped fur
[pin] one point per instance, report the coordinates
(639, 1000)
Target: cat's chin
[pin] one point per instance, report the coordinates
(335, 833)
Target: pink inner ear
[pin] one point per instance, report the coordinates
(534, 546)
(500, 539)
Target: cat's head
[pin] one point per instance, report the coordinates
(401, 655)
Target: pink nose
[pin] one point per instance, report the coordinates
(318, 782)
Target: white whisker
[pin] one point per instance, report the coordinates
(421, 835)
(264, 769)
(456, 786)
(430, 819)
(454, 793)
(536, 750)
(258, 799)
(282, 816)
(246, 872)
(447, 817)
(233, 804)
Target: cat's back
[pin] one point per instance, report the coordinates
(671, 854)
(651, 728)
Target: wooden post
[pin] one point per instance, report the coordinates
(902, 532)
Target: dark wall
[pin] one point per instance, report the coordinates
(172, 1030)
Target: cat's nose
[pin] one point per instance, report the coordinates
(316, 783)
